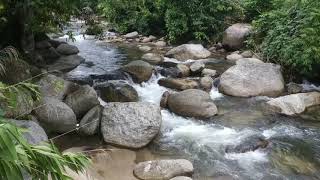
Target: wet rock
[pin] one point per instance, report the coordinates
(66, 49)
(55, 116)
(208, 73)
(66, 63)
(252, 79)
(55, 87)
(56, 43)
(197, 67)
(235, 36)
(117, 91)
(295, 103)
(131, 125)
(160, 44)
(178, 84)
(250, 144)
(163, 169)
(189, 51)
(247, 54)
(234, 57)
(181, 178)
(141, 71)
(43, 45)
(184, 70)
(172, 72)
(49, 55)
(145, 48)
(192, 103)
(164, 99)
(132, 35)
(152, 58)
(294, 88)
(90, 123)
(112, 75)
(148, 39)
(206, 83)
(34, 133)
(82, 100)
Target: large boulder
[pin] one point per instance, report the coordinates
(141, 71)
(163, 169)
(235, 35)
(55, 116)
(117, 91)
(131, 125)
(192, 103)
(82, 100)
(34, 133)
(252, 79)
(295, 103)
(189, 51)
(90, 123)
(66, 49)
(178, 84)
(49, 55)
(152, 58)
(55, 87)
(66, 63)
(43, 44)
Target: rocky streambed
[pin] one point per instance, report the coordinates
(144, 110)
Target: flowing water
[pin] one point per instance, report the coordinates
(294, 142)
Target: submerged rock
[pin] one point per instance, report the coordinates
(131, 125)
(189, 51)
(178, 84)
(141, 71)
(164, 99)
(295, 103)
(82, 100)
(163, 169)
(249, 144)
(252, 79)
(192, 103)
(235, 36)
(56, 116)
(117, 91)
(67, 49)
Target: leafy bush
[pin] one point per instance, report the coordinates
(290, 36)
(180, 20)
(145, 16)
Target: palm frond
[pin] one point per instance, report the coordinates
(7, 55)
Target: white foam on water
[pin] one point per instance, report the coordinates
(283, 130)
(215, 94)
(150, 91)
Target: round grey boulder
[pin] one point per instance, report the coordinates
(34, 133)
(82, 100)
(192, 103)
(139, 70)
(197, 67)
(55, 116)
(189, 51)
(252, 79)
(235, 36)
(163, 169)
(131, 125)
(66, 63)
(66, 49)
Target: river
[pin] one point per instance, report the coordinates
(293, 152)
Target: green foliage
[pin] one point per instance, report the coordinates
(94, 30)
(18, 157)
(254, 8)
(290, 34)
(145, 16)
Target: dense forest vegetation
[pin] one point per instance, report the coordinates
(286, 32)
